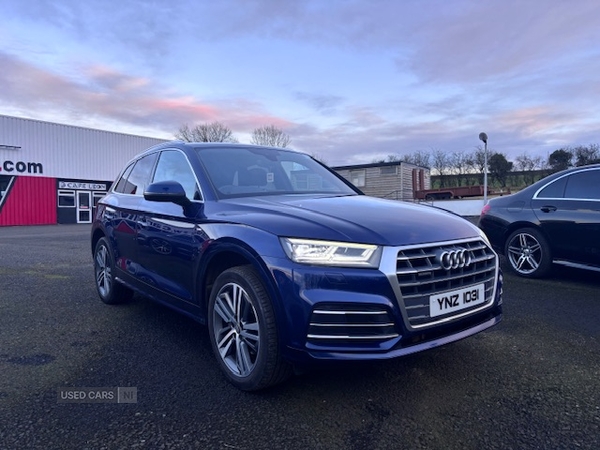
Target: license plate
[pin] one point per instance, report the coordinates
(452, 301)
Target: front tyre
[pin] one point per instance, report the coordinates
(528, 253)
(243, 332)
(109, 290)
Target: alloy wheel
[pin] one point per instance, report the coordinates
(103, 271)
(236, 329)
(525, 253)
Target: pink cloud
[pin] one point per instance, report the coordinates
(104, 92)
(542, 122)
(113, 80)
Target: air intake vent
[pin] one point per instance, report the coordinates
(350, 324)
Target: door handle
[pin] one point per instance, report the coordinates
(548, 209)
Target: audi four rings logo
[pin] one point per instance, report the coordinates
(454, 259)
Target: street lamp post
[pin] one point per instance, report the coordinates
(483, 137)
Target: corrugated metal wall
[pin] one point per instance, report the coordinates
(32, 201)
(66, 151)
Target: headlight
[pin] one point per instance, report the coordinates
(328, 253)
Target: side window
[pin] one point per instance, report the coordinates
(138, 177)
(584, 185)
(556, 189)
(121, 184)
(173, 166)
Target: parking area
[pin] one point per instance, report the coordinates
(532, 382)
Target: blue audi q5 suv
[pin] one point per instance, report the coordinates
(286, 262)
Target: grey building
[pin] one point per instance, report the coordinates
(393, 180)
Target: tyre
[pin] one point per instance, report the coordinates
(243, 332)
(109, 290)
(528, 253)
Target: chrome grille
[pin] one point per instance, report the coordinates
(420, 274)
(344, 323)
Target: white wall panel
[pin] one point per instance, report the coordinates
(65, 151)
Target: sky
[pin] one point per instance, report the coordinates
(350, 81)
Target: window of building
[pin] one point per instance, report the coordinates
(97, 197)
(358, 177)
(66, 199)
(388, 170)
(173, 166)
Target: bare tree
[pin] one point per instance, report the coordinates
(527, 165)
(319, 157)
(418, 158)
(459, 163)
(270, 135)
(208, 132)
(476, 161)
(524, 162)
(441, 165)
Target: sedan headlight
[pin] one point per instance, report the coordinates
(328, 253)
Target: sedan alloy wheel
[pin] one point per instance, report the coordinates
(528, 253)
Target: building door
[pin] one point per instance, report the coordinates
(97, 197)
(84, 207)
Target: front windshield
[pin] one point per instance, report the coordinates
(248, 171)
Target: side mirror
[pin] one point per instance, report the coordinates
(166, 192)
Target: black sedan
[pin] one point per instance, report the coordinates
(556, 220)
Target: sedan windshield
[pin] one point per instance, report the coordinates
(249, 171)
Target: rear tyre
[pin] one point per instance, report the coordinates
(243, 332)
(109, 290)
(528, 253)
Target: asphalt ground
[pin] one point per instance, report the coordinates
(533, 382)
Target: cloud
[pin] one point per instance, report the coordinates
(455, 40)
(401, 76)
(326, 104)
(493, 39)
(449, 41)
(103, 92)
(110, 80)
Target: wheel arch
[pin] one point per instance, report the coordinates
(97, 234)
(224, 254)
